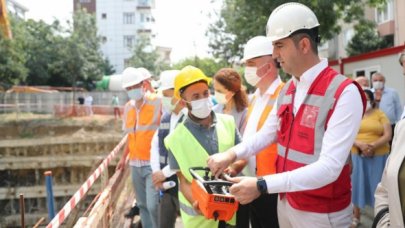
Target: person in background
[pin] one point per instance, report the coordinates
(315, 122)
(363, 82)
(402, 63)
(203, 132)
(88, 102)
(115, 102)
(369, 153)
(140, 121)
(173, 113)
(231, 97)
(389, 208)
(387, 99)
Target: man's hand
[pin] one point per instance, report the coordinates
(158, 178)
(220, 161)
(245, 189)
(197, 208)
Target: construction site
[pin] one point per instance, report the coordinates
(71, 148)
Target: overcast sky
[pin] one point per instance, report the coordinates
(180, 24)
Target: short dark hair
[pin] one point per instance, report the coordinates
(402, 57)
(311, 34)
(370, 95)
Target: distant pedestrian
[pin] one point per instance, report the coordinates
(116, 105)
(88, 102)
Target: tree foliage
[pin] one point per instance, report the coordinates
(208, 65)
(240, 20)
(366, 39)
(144, 55)
(43, 54)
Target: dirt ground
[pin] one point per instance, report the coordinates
(35, 126)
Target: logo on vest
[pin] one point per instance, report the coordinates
(309, 116)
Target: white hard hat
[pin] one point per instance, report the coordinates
(131, 76)
(167, 79)
(288, 18)
(256, 47)
(145, 73)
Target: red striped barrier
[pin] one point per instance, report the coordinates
(63, 214)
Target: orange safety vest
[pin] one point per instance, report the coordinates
(141, 126)
(266, 158)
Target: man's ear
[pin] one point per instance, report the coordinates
(305, 45)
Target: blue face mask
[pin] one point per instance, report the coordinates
(136, 94)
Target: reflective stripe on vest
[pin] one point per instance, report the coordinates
(141, 128)
(300, 138)
(314, 110)
(188, 152)
(266, 158)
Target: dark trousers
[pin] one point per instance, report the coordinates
(262, 213)
(392, 136)
(168, 210)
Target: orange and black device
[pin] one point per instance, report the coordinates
(214, 199)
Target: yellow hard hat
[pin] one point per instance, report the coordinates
(187, 76)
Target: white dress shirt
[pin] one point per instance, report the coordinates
(342, 129)
(253, 121)
(154, 156)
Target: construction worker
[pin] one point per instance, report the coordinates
(201, 134)
(261, 72)
(315, 121)
(141, 119)
(162, 177)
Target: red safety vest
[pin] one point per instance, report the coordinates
(266, 158)
(300, 140)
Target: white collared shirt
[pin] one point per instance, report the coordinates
(253, 121)
(342, 129)
(154, 151)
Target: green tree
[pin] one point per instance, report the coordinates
(240, 20)
(208, 65)
(40, 41)
(366, 39)
(12, 58)
(80, 61)
(145, 55)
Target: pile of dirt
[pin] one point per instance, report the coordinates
(34, 126)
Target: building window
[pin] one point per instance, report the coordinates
(142, 17)
(103, 39)
(129, 41)
(85, 1)
(103, 16)
(385, 12)
(129, 18)
(144, 3)
(348, 35)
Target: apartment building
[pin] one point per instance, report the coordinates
(120, 24)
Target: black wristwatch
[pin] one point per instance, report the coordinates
(261, 185)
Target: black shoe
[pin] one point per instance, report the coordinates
(131, 213)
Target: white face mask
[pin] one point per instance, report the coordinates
(167, 104)
(136, 94)
(251, 75)
(221, 98)
(201, 108)
(368, 105)
(378, 85)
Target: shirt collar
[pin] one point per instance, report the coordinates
(309, 76)
(192, 122)
(272, 88)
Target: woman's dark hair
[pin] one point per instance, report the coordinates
(370, 96)
(231, 80)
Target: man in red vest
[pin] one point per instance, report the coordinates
(315, 122)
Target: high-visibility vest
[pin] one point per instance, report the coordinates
(189, 153)
(140, 129)
(300, 140)
(266, 158)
